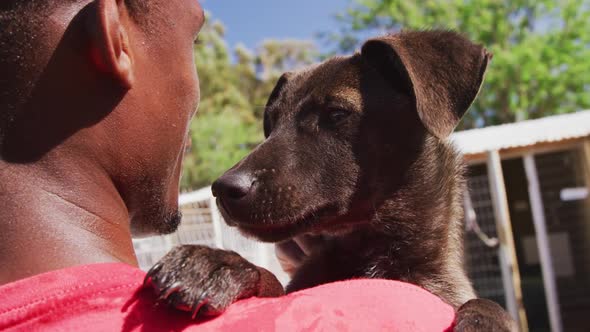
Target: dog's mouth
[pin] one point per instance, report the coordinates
(323, 219)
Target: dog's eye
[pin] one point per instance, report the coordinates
(336, 115)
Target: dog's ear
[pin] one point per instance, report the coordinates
(277, 89)
(442, 70)
(274, 95)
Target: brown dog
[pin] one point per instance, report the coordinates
(356, 150)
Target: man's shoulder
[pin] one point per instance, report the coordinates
(76, 297)
(96, 297)
(109, 297)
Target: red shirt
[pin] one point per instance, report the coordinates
(109, 297)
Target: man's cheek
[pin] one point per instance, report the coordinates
(190, 87)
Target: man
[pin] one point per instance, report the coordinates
(95, 103)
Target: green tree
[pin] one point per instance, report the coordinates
(541, 49)
(234, 89)
(218, 132)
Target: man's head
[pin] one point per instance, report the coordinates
(101, 92)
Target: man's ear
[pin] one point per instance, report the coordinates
(442, 70)
(110, 51)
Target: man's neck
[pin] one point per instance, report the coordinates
(50, 222)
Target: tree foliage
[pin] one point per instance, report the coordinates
(541, 66)
(234, 89)
(541, 49)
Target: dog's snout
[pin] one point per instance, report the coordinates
(233, 186)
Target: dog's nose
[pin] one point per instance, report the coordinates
(232, 186)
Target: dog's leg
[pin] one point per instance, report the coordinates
(205, 281)
(483, 315)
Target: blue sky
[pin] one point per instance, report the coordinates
(250, 22)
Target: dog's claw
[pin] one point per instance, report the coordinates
(148, 276)
(170, 290)
(199, 305)
(197, 279)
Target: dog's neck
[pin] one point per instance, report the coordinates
(415, 234)
(422, 222)
(426, 203)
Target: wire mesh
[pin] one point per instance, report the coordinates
(482, 262)
(568, 227)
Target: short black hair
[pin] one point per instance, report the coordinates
(22, 25)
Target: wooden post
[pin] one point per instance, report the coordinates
(263, 254)
(543, 243)
(507, 253)
(586, 159)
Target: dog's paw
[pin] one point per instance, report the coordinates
(483, 315)
(205, 281)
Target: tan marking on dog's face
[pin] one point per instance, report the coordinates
(348, 95)
(334, 83)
